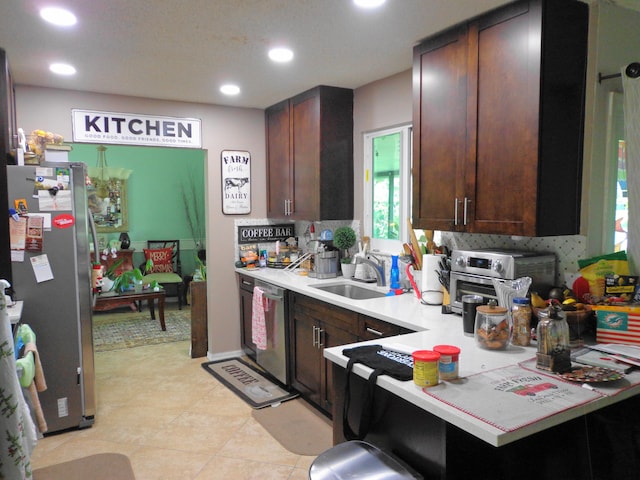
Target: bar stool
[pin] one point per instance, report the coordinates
(357, 459)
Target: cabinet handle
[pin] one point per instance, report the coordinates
(314, 341)
(466, 205)
(374, 332)
(455, 211)
(249, 284)
(320, 337)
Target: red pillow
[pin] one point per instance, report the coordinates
(162, 259)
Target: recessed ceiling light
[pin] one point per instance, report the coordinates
(230, 89)
(369, 3)
(280, 54)
(62, 69)
(58, 16)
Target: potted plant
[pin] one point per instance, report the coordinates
(110, 275)
(128, 279)
(344, 238)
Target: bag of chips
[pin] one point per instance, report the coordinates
(595, 270)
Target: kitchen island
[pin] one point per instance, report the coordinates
(437, 431)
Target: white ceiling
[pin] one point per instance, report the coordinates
(184, 50)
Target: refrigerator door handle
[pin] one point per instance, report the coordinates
(96, 252)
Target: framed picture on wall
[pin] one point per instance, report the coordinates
(236, 182)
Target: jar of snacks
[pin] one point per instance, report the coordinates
(492, 326)
(521, 320)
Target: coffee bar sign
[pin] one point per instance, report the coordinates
(265, 233)
(91, 126)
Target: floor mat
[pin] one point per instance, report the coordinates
(247, 382)
(102, 466)
(297, 426)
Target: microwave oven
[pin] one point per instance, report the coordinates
(473, 272)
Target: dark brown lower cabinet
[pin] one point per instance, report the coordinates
(315, 325)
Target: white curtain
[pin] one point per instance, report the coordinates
(631, 88)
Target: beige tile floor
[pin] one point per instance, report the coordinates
(174, 421)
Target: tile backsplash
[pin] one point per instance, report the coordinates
(568, 249)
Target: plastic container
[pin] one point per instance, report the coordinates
(521, 321)
(425, 368)
(448, 363)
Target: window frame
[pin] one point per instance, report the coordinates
(406, 142)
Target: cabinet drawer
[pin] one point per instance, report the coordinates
(326, 313)
(246, 283)
(371, 328)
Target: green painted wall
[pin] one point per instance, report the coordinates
(155, 189)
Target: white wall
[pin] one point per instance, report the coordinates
(381, 104)
(223, 128)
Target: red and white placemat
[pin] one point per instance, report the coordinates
(512, 397)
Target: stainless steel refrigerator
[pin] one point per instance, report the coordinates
(53, 278)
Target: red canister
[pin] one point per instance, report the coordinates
(448, 363)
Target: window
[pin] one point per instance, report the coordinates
(616, 196)
(387, 187)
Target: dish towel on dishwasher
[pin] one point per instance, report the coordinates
(258, 319)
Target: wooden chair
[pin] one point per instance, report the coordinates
(167, 269)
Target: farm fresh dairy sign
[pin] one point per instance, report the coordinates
(133, 129)
(236, 182)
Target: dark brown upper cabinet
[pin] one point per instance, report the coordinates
(310, 156)
(498, 122)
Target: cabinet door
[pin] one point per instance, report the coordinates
(439, 119)
(331, 336)
(305, 112)
(502, 179)
(279, 175)
(305, 355)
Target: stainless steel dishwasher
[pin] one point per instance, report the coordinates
(274, 358)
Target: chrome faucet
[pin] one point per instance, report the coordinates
(378, 268)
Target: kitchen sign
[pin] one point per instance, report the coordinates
(265, 233)
(134, 129)
(236, 182)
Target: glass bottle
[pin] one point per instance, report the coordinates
(554, 352)
(521, 321)
(394, 278)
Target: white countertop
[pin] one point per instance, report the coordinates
(432, 328)
(403, 310)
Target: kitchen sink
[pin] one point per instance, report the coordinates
(350, 291)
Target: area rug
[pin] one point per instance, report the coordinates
(247, 382)
(297, 426)
(103, 466)
(127, 329)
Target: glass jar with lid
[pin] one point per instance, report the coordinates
(492, 329)
(521, 321)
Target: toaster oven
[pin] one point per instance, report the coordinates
(473, 272)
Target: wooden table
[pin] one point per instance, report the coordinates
(109, 300)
